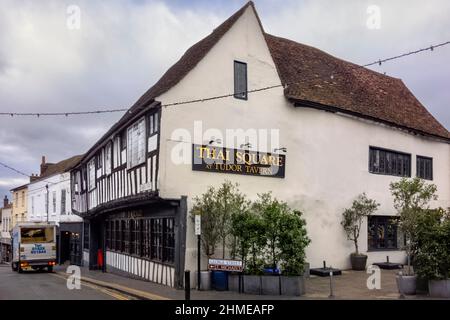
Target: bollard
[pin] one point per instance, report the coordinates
(187, 285)
(331, 283)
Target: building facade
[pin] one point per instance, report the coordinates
(5, 228)
(49, 200)
(340, 129)
(19, 204)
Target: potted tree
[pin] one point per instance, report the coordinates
(293, 242)
(432, 256)
(352, 219)
(205, 206)
(411, 198)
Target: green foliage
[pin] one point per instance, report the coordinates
(352, 218)
(292, 244)
(432, 254)
(205, 206)
(411, 199)
(265, 232)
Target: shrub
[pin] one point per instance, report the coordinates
(352, 218)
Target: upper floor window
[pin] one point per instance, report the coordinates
(240, 80)
(136, 144)
(63, 201)
(424, 167)
(23, 198)
(91, 170)
(389, 162)
(108, 154)
(153, 124)
(123, 147)
(54, 201)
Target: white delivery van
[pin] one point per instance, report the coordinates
(33, 246)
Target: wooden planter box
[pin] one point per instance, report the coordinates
(252, 284)
(270, 285)
(233, 282)
(293, 285)
(439, 288)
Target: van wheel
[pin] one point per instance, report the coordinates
(19, 269)
(50, 268)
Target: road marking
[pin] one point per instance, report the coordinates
(111, 293)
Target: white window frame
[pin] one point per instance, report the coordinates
(136, 143)
(108, 160)
(91, 174)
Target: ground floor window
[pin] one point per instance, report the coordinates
(382, 232)
(152, 238)
(86, 235)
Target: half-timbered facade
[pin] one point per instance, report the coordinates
(341, 130)
(115, 188)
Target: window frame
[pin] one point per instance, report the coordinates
(388, 221)
(419, 157)
(129, 152)
(241, 95)
(392, 152)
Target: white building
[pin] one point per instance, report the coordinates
(347, 130)
(49, 199)
(5, 228)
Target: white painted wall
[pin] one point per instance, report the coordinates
(6, 224)
(37, 192)
(327, 158)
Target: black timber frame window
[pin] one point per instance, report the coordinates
(389, 162)
(424, 167)
(240, 80)
(382, 233)
(151, 238)
(86, 235)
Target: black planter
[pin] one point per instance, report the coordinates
(358, 261)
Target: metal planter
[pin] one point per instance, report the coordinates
(439, 288)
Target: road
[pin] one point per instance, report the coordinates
(33, 285)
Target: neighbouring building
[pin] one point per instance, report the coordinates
(49, 199)
(342, 130)
(5, 228)
(19, 204)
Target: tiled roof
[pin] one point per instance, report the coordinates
(315, 76)
(359, 91)
(60, 167)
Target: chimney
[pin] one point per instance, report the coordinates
(34, 177)
(43, 165)
(5, 202)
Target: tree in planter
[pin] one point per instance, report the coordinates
(248, 232)
(293, 242)
(229, 202)
(433, 244)
(411, 198)
(205, 206)
(352, 219)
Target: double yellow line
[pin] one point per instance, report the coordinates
(112, 293)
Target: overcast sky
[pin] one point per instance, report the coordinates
(123, 47)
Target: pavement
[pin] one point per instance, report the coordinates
(351, 285)
(97, 285)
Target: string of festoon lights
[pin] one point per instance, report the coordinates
(284, 85)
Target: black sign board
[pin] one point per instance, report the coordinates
(236, 161)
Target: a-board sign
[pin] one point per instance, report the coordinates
(225, 265)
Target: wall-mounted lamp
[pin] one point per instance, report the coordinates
(280, 149)
(246, 145)
(214, 140)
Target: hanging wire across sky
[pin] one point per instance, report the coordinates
(70, 113)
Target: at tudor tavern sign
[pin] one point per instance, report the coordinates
(245, 162)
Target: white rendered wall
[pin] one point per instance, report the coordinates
(327, 154)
